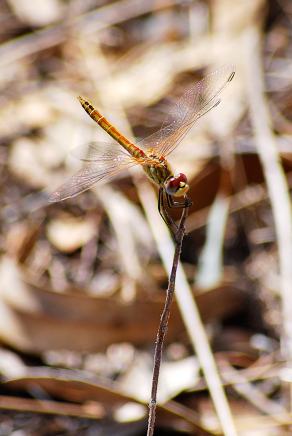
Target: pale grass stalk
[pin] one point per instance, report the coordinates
(263, 424)
(210, 265)
(254, 395)
(274, 175)
(123, 214)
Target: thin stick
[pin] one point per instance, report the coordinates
(162, 329)
(189, 311)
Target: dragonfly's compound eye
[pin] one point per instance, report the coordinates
(177, 185)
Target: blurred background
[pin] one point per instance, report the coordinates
(82, 282)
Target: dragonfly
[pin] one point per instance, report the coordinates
(105, 161)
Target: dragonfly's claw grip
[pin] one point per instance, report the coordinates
(188, 202)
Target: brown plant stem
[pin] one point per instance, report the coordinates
(162, 329)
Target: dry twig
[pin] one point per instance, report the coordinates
(189, 312)
(162, 329)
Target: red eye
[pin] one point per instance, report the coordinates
(174, 183)
(181, 177)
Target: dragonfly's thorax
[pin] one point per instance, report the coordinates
(157, 168)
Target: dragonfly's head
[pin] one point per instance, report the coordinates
(177, 186)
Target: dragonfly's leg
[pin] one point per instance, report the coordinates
(177, 204)
(188, 202)
(163, 213)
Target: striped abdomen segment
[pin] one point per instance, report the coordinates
(110, 129)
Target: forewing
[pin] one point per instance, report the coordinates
(102, 164)
(195, 102)
(98, 151)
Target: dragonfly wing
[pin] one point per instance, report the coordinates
(98, 168)
(100, 151)
(194, 103)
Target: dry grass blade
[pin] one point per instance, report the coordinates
(211, 259)
(254, 395)
(126, 220)
(93, 411)
(274, 174)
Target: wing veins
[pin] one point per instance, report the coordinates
(195, 102)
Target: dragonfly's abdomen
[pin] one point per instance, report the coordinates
(156, 167)
(110, 129)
